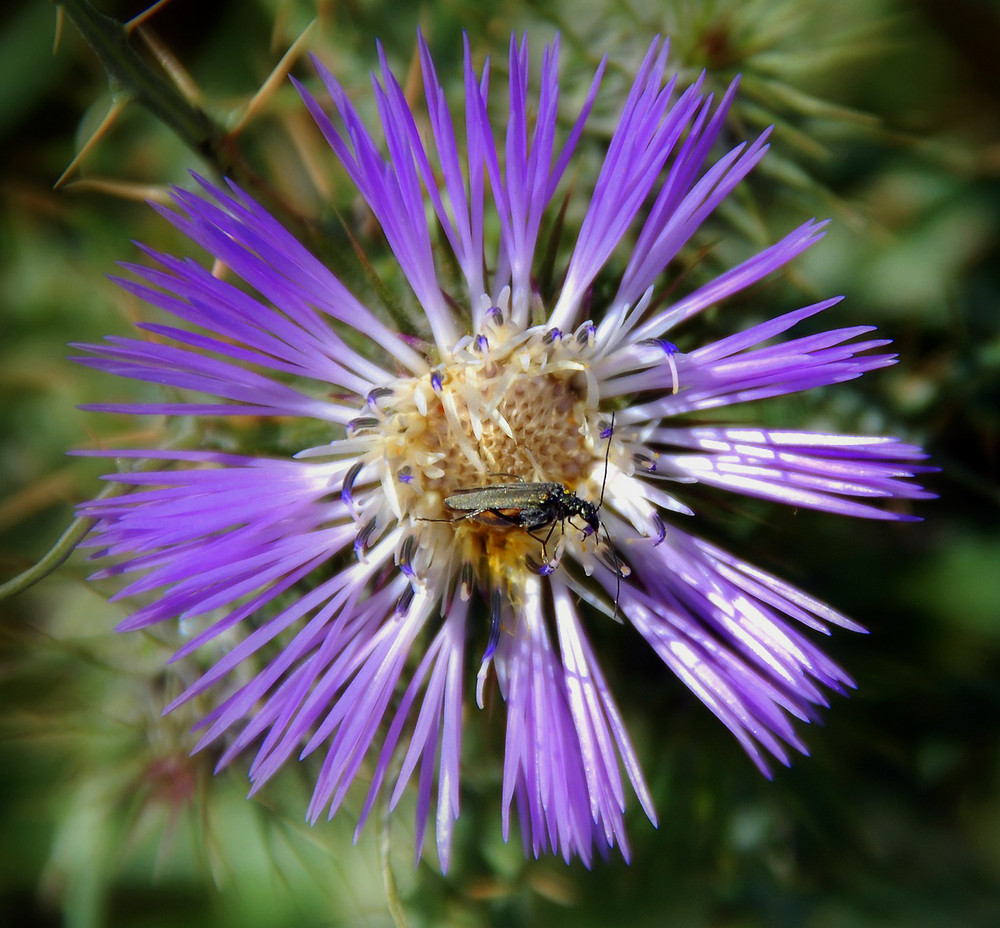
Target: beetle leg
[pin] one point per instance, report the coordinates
(544, 542)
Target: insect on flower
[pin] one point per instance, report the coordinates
(530, 506)
(533, 507)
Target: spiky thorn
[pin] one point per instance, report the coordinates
(277, 78)
(132, 78)
(114, 111)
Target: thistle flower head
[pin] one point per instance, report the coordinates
(524, 457)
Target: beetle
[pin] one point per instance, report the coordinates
(532, 506)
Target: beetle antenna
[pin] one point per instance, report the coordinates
(607, 457)
(618, 570)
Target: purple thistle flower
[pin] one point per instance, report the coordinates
(396, 573)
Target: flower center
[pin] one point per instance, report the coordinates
(509, 405)
(493, 461)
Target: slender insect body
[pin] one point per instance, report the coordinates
(530, 506)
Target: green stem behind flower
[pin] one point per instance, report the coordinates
(55, 556)
(132, 78)
(129, 74)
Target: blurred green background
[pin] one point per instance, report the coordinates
(886, 119)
